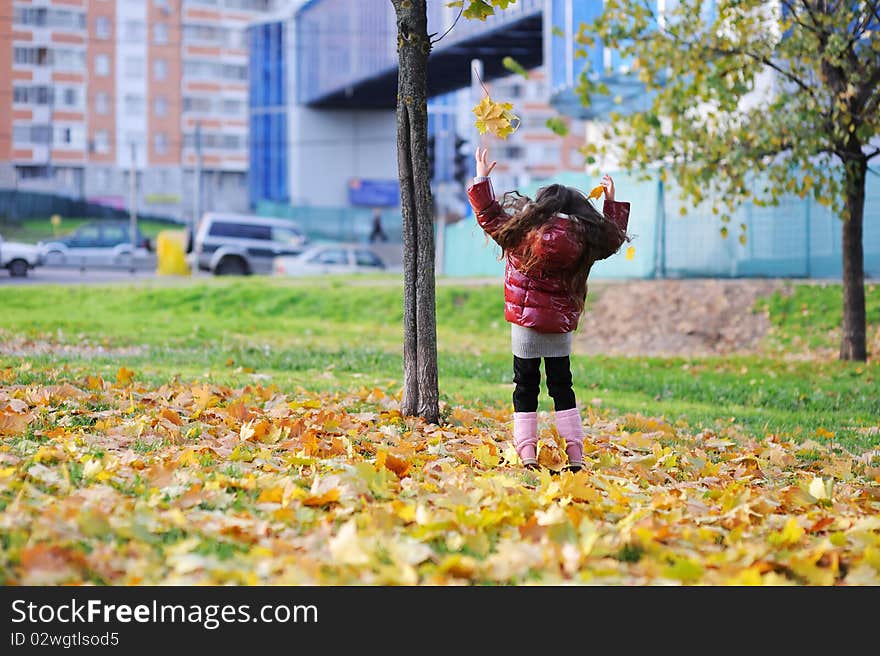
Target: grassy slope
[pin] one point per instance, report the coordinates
(809, 316)
(327, 334)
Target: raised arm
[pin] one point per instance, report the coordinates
(615, 210)
(618, 212)
(488, 211)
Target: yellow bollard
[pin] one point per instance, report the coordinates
(170, 253)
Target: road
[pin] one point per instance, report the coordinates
(73, 276)
(45, 275)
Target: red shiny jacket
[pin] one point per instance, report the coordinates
(538, 298)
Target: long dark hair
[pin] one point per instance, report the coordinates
(598, 235)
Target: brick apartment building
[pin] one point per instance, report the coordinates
(89, 87)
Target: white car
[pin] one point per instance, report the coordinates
(328, 259)
(241, 244)
(19, 258)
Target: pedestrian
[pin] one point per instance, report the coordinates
(377, 233)
(549, 245)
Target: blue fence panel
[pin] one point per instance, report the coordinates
(348, 224)
(796, 238)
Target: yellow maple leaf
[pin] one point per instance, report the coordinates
(328, 497)
(631, 252)
(124, 376)
(497, 118)
(790, 534)
(596, 192)
(820, 489)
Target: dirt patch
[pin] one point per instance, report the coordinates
(674, 317)
(24, 348)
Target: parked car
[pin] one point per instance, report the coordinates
(328, 259)
(98, 243)
(242, 244)
(18, 258)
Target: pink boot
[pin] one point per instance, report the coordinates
(525, 437)
(569, 427)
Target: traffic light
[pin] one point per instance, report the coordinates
(431, 141)
(461, 162)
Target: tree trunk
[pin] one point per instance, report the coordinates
(420, 392)
(852, 338)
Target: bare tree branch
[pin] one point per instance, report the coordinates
(460, 12)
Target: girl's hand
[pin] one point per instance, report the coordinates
(608, 184)
(484, 168)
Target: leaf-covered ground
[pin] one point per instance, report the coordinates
(120, 482)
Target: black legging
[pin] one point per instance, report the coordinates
(527, 378)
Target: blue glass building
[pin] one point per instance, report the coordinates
(268, 175)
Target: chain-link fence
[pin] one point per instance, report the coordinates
(797, 238)
(348, 224)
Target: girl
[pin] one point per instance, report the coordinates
(549, 245)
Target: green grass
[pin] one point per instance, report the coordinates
(34, 230)
(809, 316)
(327, 335)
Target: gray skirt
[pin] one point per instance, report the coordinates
(528, 343)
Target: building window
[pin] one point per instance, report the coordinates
(134, 104)
(31, 56)
(160, 143)
(160, 69)
(63, 136)
(67, 59)
(102, 141)
(102, 65)
(196, 104)
(102, 103)
(70, 97)
(249, 5)
(40, 95)
(43, 17)
(134, 30)
(160, 106)
(233, 107)
(102, 179)
(134, 67)
(160, 33)
(32, 134)
(102, 27)
(512, 152)
(213, 69)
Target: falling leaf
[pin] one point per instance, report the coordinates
(558, 126)
(497, 118)
(630, 252)
(514, 66)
